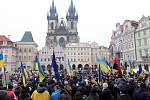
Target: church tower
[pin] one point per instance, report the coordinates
(52, 18)
(59, 33)
(72, 18)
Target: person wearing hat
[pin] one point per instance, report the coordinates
(106, 93)
(41, 93)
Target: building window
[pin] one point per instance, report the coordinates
(72, 25)
(78, 53)
(24, 58)
(139, 34)
(52, 25)
(41, 59)
(74, 53)
(74, 60)
(1, 42)
(20, 50)
(29, 49)
(25, 50)
(145, 41)
(78, 59)
(139, 42)
(45, 59)
(48, 59)
(140, 53)
(144, 32)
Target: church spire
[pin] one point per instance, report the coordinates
(53, 12)
(72, 14)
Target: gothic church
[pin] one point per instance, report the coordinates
(59, 33)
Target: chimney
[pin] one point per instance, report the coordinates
(9, 37)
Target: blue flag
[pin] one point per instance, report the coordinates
(140, 69)
(55, 67)
(99, 73)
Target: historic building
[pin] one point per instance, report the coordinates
(27, 50)
(60, 33)
(142, 36)
(129, 28)
(8, 48)
(118, 42)
(83, 55)
(46, 54)
(112, 48)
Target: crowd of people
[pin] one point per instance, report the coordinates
(81, 86)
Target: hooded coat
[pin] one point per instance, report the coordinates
(40, 94)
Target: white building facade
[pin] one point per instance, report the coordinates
(129, 28)
(142, 36)
(83, 55)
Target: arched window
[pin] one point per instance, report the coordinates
(72, 25)
(52, 25)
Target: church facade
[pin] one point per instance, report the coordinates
(60, 32)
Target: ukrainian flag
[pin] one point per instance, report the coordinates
(40, 69)
(131, 69)
(1, 60)
(69, 68)
(24, 74)
(104, 67)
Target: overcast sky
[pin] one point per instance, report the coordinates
(97, 18)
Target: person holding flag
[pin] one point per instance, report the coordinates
(40, 69)
(1, 60)
(24, 74)
(117, 67)
(55, 67)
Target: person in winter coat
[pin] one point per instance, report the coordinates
(93, 95)
(64, 95)
(10, 92)
(124, 94)
(41, 93)
(55, 95)
(142, 93)
(78, 95)
(3, 95)
(106, 93)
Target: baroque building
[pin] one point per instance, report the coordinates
(8, 48)
(129, 28)
(142, 36)
(117, 43)
(60, 33)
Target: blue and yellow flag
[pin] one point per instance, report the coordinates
(131, 70)
(69, 69)
(103, 65)
(1, 60)
(40, 69)
(24, 74)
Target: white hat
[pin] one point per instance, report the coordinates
(105, 85)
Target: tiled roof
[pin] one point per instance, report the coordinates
(27, 37)
(4, 38)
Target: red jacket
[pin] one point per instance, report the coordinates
(11, 94)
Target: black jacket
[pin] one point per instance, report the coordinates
(124, 97)
(92, 96)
